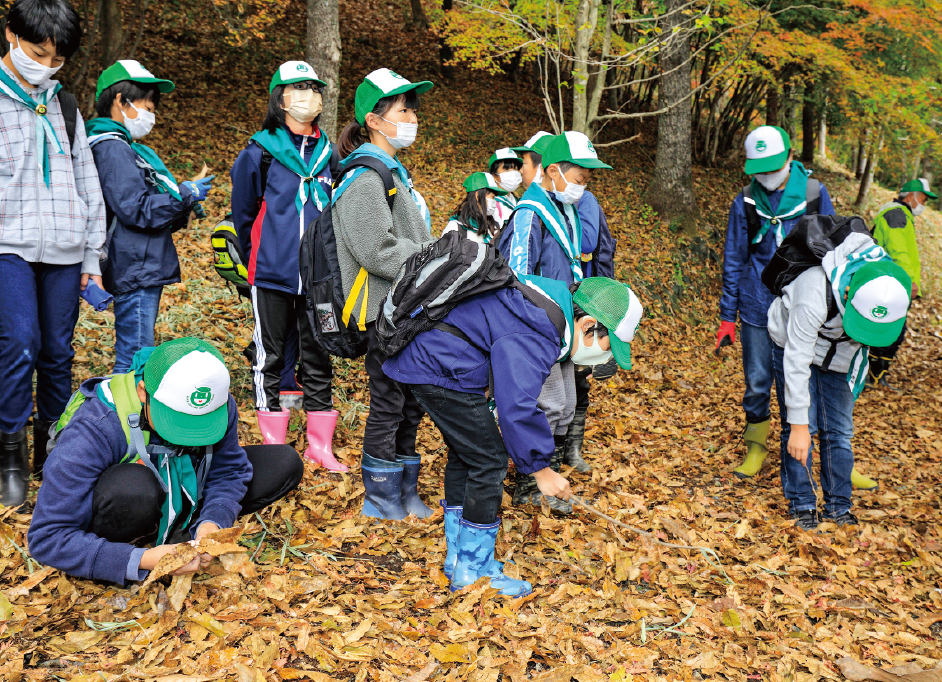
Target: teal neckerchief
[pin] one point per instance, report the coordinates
(280, 145)
(559, 293)
(538, 200)
(44, 130)
(393, 164)
(792, 205)
(508, 200)
(473, 227)
(107, 128)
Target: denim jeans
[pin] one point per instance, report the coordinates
(477, 458)
(757, 368)
(38, 311)
(135, 314)
(831, 417)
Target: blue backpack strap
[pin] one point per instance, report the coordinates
(139, 448)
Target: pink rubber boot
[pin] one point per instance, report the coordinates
(320, 437)
(273, 425)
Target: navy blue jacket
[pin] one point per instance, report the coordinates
(520, 344)
(270, 233)
(530, 248)
(92, 442)
(140, 250)
(595, 237)
(743, 290)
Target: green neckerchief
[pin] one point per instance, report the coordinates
(473, 227)
(393, 164)
(538, 200)
(108, 128)
(558, 292)
(280, 145)
(44, 129)
(792, 205)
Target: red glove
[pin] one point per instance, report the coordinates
(726, 336)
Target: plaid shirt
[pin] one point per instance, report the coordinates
(61, 224)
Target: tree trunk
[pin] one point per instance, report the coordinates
(323, 53)
(772, 106)
(671, 190)
(867, 179)
(862, 155)
(917, 163)
(112, 32)
(445, 53)
(587, 16)
(419, 20)
(822, 135)
(808, 125)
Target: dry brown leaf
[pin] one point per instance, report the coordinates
(858, 672)
(22, 589)
(183, 678)
(182, 554)
(423, 674)
(179, 589)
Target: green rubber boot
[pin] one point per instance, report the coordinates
(861, 482)
(756, 437)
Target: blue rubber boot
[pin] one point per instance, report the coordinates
(383, 483)
(476, 560)
(452, 528)
(411, 502)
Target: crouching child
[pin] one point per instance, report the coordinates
(151, 456)
(519, 333)
(821, 325)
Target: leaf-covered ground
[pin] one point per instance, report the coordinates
(322, 594)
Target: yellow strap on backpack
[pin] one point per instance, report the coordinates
(126, 400)
(362, 282)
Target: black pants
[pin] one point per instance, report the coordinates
(890, 351)
(275, 314)
(127, 499)
(582, 388)
(477, 458)
(394, 414)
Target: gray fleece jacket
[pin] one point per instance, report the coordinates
(368, 235)
(798, 323)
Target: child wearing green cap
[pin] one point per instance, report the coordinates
(819, 363)
(895, 230)
(505, 334)
(145, 205)
(477, 214)
(99, 508)
(505, 165)
(372, 244)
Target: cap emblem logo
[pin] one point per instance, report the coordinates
(761, 146)
(396, 75)
(200, 398)
(303, 67)
(590, 147)
(879, 312)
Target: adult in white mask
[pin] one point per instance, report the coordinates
(894, 229)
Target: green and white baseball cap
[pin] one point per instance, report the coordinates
(572, 147)
(130, 70)
(477, 181)
(188, 385)
(877, 304)
(767, 149)
(383, 83)
(918, 185)
(294, 72)
(616, 308)
(505, 154)
(536, 144)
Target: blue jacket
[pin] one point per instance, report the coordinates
(529, 247)
(92, 442)
(743, 290)
(518, 342)
(597, 240)
(140, 250)
(270, 232)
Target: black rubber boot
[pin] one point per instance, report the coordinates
(572, 454)
(40, 442)
(14, 468)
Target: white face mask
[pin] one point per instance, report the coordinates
(405, 134)
(510, 180)
(31, 71)
(571, 194)
(591, 355)
(918, 210)
(538, 178)
(492, 208)
(304, 105)
(772, 181)
(140, 126)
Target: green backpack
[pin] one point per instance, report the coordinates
(174, 470)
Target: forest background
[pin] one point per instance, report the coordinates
(667, 91)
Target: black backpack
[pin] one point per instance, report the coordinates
(754, 222)
(320, 274)
(439, 277)
(69, 107)
(805, 246)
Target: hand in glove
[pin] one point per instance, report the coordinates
(606, 371)
(726, 336)
(199, 188)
